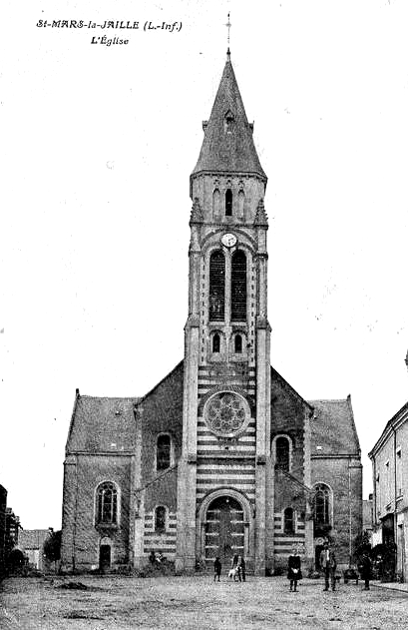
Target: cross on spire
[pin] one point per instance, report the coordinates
(228, 25)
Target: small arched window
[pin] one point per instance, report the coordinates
(238, 287)
(163, 455)
(282, 453)
(160, 519)
(216, 202)
(241, 204)
(288, 521)
(217, 286)
(238, 344)
(216, 343)
(228, 203)
(322, 505)
(107, 503)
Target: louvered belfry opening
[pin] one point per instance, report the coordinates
(217, 286)
(228, 203)
(216, 343)
(238, 287)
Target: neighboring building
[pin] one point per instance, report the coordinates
(13, 556)
(31, 542)
(12, 528)
(390, 481)
(3, 506)
(223, 456)
(337, 470)
(98, 518)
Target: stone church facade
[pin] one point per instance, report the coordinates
(223, 456)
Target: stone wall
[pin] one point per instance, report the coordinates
(81, 536)
(160, 413)
(343, 475)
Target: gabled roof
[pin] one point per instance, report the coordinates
(177, 372)
(275, 376)
(228, 146)
(333, 428)
(108, 425)
(102, 425)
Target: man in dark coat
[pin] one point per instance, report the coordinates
(365, 570)
(328, 564)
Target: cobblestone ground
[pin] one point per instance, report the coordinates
(196, 603)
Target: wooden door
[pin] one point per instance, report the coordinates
(224, 532)
(104, 557)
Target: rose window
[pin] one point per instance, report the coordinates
(226, 413)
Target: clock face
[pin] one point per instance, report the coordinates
(229, 240)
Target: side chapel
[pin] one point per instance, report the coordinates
(223, 456)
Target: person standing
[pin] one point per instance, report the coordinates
(294, 569)
(217, 569)
(365, 570)
(241, 568)
(328, 564)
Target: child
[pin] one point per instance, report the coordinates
(241, 569)
(217, 569)
(294, 571)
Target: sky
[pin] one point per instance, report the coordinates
(97, 145)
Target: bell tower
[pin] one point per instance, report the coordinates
(223, 489)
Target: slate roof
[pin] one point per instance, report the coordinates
(102, 425)
(275, 376)
(333, 428)
(177, 372)
(228, 148)
(108, 425)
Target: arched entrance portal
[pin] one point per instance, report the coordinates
(224, 529)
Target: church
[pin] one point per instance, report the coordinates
(222, 456)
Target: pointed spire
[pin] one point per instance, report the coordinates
(228, 145)
(261, 218)
(196, 212)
